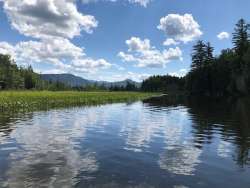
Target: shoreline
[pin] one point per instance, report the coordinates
(44, 100)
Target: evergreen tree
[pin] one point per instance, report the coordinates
(199, 55)
(209, 51)
(9, 73)
(241, 37)
(29, 81)
(14, 77)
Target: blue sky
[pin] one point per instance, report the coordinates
(107, 40)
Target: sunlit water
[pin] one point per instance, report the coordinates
(161, 144)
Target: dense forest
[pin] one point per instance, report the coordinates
(15, 78)
(225, 74)
(166, 83)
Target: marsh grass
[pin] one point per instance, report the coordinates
(42, 100)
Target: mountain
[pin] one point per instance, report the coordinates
(73, 81)
(67, 79)
(123, 83)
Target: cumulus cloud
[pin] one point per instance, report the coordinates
(179, 73)
(169, 42)
(126, 75)
(145, 55)
(180, 27)
(8, 49)
(137, 76)
(223, 35)
(45, 18)
(60, 52)
(136, 44)
(88, 64)
(51, 71)
(53, 23)
(143, 3)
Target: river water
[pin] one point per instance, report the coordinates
(162, 143)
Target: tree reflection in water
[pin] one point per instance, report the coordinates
(171, 141)
(228, 118)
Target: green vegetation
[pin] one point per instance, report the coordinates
(42, 100)
(24, 90)
(19, 78)
(128, 87)
(227, 74)
(13, 77)
(169, 84)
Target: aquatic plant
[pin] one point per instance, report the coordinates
(32, 100)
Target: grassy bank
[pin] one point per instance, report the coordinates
(32, 100)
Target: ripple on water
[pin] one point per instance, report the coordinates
(125, 145)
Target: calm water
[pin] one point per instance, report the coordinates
(167, 143)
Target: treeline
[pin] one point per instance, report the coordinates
(225, 74)
(18, 78)
(97, 87)
(163, 84)
(129, 87)
(13, 77)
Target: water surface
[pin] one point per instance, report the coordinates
(167, 143)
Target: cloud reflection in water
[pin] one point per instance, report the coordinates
(48, 155)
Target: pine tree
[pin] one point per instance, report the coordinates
(209, 51)
(199, 55)
(29, 81)
(241, 37)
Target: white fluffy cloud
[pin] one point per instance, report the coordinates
(53, 23)
(137, 76)
(179, 73)
(126, 75)
(138, 45)
(6, 48)
(89, 64)
(169, 42)
(143, 3)
(45, 18)
(145, 55)
(180, 27)
(59, 52)
(223, 35)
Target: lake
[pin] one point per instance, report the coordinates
(161, 143)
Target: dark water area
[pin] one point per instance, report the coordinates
(168, 142)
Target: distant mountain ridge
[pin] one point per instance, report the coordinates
(76, 81)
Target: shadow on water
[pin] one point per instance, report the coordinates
(229, 117)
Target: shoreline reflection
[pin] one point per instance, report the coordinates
(168, 142)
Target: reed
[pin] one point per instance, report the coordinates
(32, 100)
